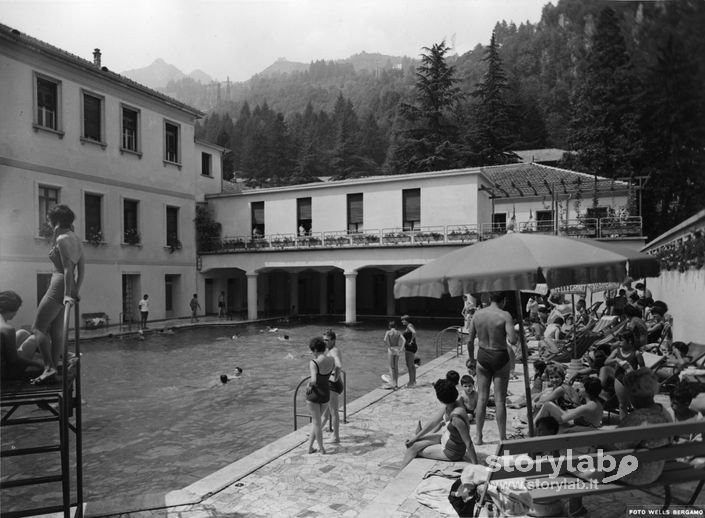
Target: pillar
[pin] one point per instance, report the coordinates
(350, 297)
(252, 296)
(294, 293)
(323, 293)
(391, 306)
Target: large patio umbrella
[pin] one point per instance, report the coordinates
(518, 261)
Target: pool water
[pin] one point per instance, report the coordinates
(156, 417)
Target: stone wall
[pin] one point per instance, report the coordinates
(685, 295)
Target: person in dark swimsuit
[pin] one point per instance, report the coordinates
(454, 442)
(624, 359)
(494, 329)
(318, 390)
(335, 383)
(410, 349)
(66, 255)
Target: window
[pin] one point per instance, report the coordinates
(354, 213)
(48, 102)
(303, 216)
(171, 143)
(48, 197)
(206, 161)
(130, 222)
(257, 218)
(94, 218)
(544, 220)
(172, 227)
(411, 200)
(130, 124)
(92, 117)
(499, 222)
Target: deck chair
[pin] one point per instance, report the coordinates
(605, 322)
(583, 341)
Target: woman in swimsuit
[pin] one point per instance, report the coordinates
(410, 349)
(558, 392)
(454, 442)
(588, 415)
(66, 255)
(318, 391)
(624, 359)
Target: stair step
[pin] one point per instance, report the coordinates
(36, 511)
(30, 482)
(30, 451)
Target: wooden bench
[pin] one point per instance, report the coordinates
(95, 320)
(546, 488)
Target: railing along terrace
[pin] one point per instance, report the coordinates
(606, 228)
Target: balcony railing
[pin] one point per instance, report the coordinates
(604, 228)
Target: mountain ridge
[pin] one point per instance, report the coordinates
(159, 73)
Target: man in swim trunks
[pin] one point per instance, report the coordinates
(494, 329)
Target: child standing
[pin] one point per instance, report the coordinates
(195, 306)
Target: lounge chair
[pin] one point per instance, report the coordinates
(583, 341)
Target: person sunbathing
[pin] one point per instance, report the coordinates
(558, 391)
(676, 361)
(585, 416)
(454, 443)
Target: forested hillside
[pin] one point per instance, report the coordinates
(620, 83)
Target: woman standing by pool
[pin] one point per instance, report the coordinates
(318, 391)
(66, 254)
(410, 349)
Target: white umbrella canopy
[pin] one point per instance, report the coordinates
(516, 262)
(520, 262)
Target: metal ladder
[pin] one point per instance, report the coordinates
(310, 418)
(62, 404)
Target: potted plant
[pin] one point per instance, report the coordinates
(132, 236)
(173, 243)
(94, 236)
(46, 231)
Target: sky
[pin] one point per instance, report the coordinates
(239, 38)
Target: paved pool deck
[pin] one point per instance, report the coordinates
(359, 477)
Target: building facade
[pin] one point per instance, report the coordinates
(122, 156)
(337, 247)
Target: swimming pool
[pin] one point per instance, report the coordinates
(156, 418)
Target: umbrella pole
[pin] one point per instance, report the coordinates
(575, 363)
(525, 355)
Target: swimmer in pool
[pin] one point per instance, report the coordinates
(224, 378)
(493, 328)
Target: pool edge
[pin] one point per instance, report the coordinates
(217, 481)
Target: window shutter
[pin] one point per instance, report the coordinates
(91, 117)
(258, 213)
(412, 204)
(355, 208)
(304, 208)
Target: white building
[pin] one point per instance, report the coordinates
(334, 247)
(122, 156)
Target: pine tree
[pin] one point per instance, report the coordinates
(674, 111)
(430, 138)
(605, 130)
(495, 128)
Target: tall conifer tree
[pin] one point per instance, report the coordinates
(495, 128)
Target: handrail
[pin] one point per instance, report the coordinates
(71, 402)
(310, 418)
(607, 228)
(459, 340)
